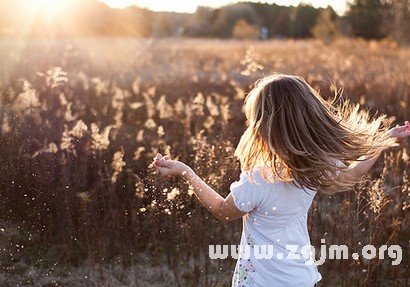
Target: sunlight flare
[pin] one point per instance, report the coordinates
(50, 8)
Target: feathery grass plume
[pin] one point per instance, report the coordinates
(212, 107)
(140, 136)
(117, 164)
(198, 104)
(150, 124)
(67, 141)
(138, 153)
(51, 148)
(55, 77)
(79, 129)
(165, 110)
(173, 194)
(251, 62)
(406, 191)
(136, 105)
(68, 115)
(179, 107)
(84, 196)
(117, 101)
(225, 110)
(209, 122)
(152, 91)
(63, 100)
(139, 188)
(377, 196)
(160, 131)
(26, 100)
(149, 105)
(5, 125)
(99, 141)
(118, 118)
(136, 86)
(99, 86)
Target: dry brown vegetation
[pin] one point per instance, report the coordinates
(81, 121)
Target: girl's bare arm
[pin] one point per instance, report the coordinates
(356, 170)
(222, 208)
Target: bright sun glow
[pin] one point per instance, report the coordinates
(191, 5)
(160, 5)
(50, 8)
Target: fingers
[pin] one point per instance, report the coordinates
(163, 164)
(402, 130)
(162, 161)
(158, 157)
(161, 157)
(164, 171)
(407, 125)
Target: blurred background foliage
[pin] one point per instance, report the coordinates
(79, 202)
(369, 19)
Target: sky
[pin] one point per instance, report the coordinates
(190, 5)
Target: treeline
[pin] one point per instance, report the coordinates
(369, 19)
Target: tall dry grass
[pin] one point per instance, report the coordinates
(81, 121)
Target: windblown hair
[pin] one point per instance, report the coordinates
(299, 137)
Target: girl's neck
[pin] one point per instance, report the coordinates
(267, 173)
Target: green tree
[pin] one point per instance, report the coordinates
(243, 30)
(198, 26)
(276, 18)
(397, 20)
(302, 19)
(226, 18)
(366, 18)
(326, 26)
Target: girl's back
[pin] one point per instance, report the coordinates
(276, 221)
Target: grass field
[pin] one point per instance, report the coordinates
(81, 120)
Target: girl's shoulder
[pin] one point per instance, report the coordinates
(262, 180)
(260, 175)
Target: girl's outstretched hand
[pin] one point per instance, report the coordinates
(400, 132)
(168, 167)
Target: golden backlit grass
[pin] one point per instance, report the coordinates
(81, 121)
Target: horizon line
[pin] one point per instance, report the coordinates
(117, 5)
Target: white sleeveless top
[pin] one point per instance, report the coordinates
(276, 217)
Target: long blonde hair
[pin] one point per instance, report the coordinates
(300, 137)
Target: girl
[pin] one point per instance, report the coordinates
(295, 145)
